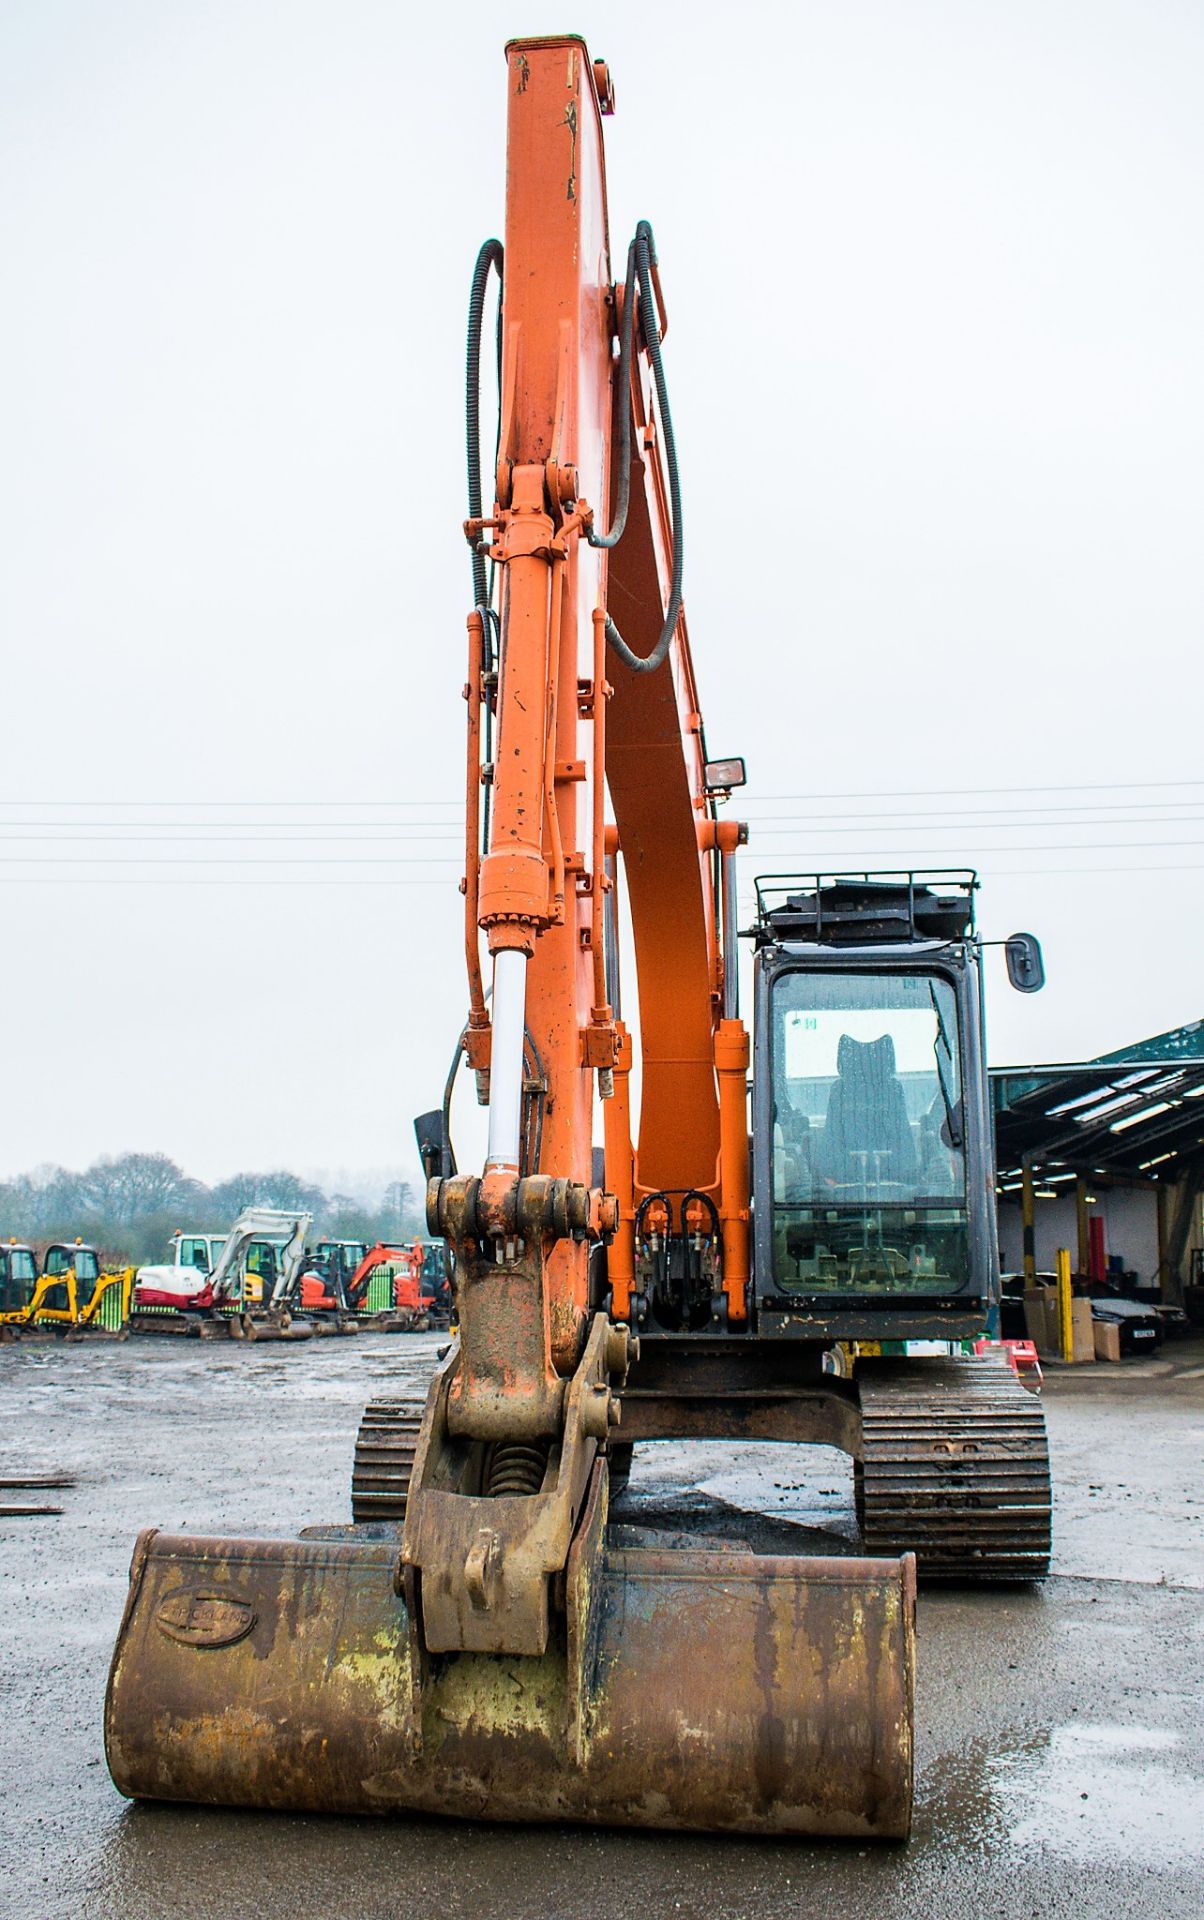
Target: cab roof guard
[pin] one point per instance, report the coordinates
(852, 909)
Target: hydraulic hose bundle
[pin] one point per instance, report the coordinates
(641, 263)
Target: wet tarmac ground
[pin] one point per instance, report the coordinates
(1060, 1758)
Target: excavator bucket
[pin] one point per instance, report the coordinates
(721, 1690)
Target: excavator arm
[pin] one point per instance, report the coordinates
(276, 1223)
(575, 704)
(591, 692)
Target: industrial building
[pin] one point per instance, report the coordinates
(1105, 1157)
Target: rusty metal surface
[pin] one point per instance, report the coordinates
(717, 1690)
(806, 1415)
(519, 1332)
(487, 1562)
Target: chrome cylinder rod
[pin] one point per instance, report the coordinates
(506, 1062)
(731, 941)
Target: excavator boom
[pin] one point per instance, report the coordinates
(508, 1653)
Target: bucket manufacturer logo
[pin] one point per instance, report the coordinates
(204, 1619)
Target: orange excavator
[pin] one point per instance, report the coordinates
(420, 1295)
(338, 1278)
(493, 1645)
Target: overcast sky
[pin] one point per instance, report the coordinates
(937, 296)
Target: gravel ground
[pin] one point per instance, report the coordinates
(1060, 1733)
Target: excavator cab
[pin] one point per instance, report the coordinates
(74, 1271)
(18, 1278)
(260, 1272)
(325, 1291)
(871, 1126)
(436, 1277)
(339, 1261)
(196, 1250)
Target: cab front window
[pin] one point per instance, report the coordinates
(869, 1174)
(81, 1261)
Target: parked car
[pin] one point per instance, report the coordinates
(1140, 1327)
(1174, 1323)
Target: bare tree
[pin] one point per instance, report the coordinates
(122, 1189)
(277, 1189)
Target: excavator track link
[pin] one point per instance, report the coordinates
(384, 1459)
(955, 1468)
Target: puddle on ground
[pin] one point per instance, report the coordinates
(1104, 1788)
(1085, 1792)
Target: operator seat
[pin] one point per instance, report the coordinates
(867, 1116)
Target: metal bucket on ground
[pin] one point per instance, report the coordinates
(715, 1689)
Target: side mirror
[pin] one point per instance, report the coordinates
(1026, 967)
(434, 1148)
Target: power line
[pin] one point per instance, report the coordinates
(91, 800)
(817, 829)
(1040, 873)
(878, 793)
(445, 881)
(1068, 846)
(448, 860)
(384, 832)
(297, 880)
(923, 855)
(299, 838)
(975, 813)
(232, 860)
(1030, 786)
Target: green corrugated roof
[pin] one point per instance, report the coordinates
(1111, 1111)
(1181, 1043)
(1174, 1048)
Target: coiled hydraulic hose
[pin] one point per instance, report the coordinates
(641, 258)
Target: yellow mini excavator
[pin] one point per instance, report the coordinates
(72, 1297)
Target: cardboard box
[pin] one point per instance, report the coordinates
(1107, 1340)
(1042, 1322)
(1082, 1331)
(1037, 1322)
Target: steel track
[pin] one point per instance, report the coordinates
(955, 1468)
(384, 1459)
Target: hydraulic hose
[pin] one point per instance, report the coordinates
(642, 258)
(612, 538)
(490, 256)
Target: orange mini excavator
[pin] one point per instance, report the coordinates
(506, 1652)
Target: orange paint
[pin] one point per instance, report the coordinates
(542, 880)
